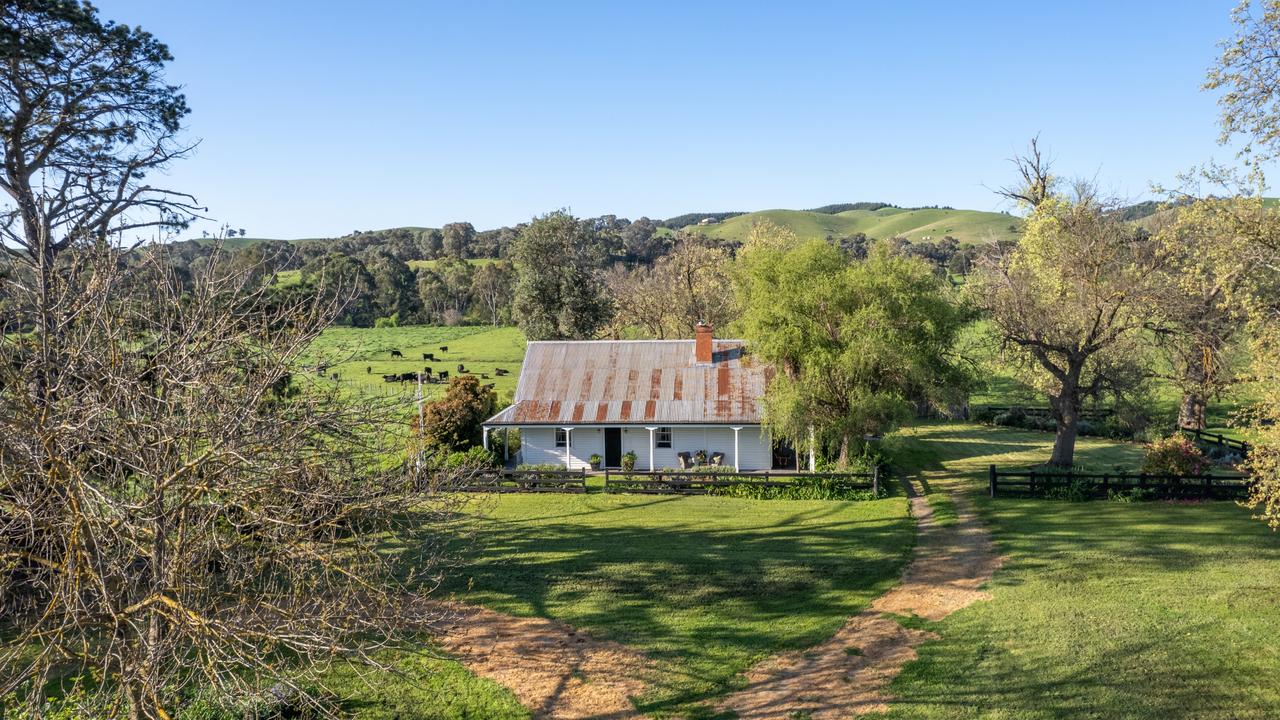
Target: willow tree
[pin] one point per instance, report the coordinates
(856, 343)
(1071, 301)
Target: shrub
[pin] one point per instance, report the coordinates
(629, 460)
(804, 487)
(1077, 490)
(1175, 455)
(474, 457)
(595, 460)
(387, 322)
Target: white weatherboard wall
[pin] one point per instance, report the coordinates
(538, 446)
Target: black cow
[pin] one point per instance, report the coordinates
(444, 374)
(334, 376)
(462, 368)
(369, 369)
(427, 370)
(397, 353)
(408, 377)
(444, 348)
(499, 371)
(390, 378)
(429, 357)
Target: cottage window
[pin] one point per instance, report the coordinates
(562, 437)
(662, 438)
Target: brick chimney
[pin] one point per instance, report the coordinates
(702, 344)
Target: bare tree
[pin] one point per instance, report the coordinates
(183, 510)
(688, 285)
(180, 509)
(1035, 183)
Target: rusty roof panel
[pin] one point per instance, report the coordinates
(635, 381)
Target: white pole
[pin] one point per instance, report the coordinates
(568, 445)
(651, 430)
(813, 462)
(484, 437)
(737, 466)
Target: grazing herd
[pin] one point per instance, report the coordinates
(427, 375)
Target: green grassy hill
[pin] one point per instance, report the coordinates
(969, 226)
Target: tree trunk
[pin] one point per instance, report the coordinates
(1066, 410)
(842, 461)
(1191, 410)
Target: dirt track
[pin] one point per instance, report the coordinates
(849, 674)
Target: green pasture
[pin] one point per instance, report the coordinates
(361, 356)
(1102, 609)
(967, 226)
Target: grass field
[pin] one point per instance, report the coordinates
(1103, 609)
(969, 226)
(361, 356)
(704, 585)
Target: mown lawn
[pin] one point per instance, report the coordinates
(1103, 609)
(704, 585)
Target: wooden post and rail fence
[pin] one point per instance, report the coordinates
(1218, 439)
(658, 482)
(1038, 483)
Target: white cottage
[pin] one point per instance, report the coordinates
(656, 398)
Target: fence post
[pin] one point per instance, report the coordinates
(991, 479)
(1106, 485)
(875, 480)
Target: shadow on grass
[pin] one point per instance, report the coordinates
(704, 599)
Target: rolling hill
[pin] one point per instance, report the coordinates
(967, 226)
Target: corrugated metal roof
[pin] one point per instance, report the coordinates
(636, 381)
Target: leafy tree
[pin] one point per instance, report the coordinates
(1071, 299)
(856, 344)
(453, 422)
(433, 294)
(430, 243)
(344, 277)
(559, 294)
(458, 238)
(456, 275)
(395, 290)
(493, 286)
(86, 119)
(1247, 72)
(1213, 278)
(640, 240)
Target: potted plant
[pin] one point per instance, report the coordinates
(595, 461)
(629, 460)
(700, 458)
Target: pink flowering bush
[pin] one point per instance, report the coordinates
(1175, 455)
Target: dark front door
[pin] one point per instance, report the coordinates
(784, 456)
(613, 447)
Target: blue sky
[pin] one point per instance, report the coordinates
(319, 118)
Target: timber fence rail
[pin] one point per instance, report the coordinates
(702, 483)
(1090, 414)
(1033, 483)
(1217, 439)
